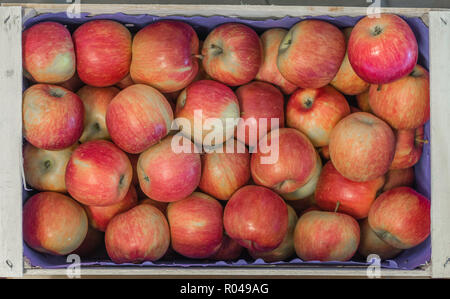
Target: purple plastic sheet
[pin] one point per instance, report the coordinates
(408, 259)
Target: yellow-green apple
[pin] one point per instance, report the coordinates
(100, 216)
(125, 82)
(73, 84)
(48, 53)
(286, 249)
(401, 217)
(164, 55)
(326, 236)
(334, 192)
(362, 100)
(382, 50)
(196, 225)
(162, 206)
(54, 223)
(98, 173)
(362, 147)
(268, 72)
(45, 170)
(91, 244)
(229, 250)
(168, 174)
(311, 53)
(103, 50)
(315, 112)
(207, 112)
(404, 103)
(408, 147)
(232, 54)
(96, 101)
(139, 234)
(138, 117)
(259, 104)
(256, 217)
(370, 243)
(52, 116)
(399, 177)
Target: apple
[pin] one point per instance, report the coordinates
(256, 217)
(137, 235)
(53, 223)
(165, 55)
(229, 250)
(401, 217)
(95, 101)
(370, 243)
(196, 225)
(103, 50)
(98, 173)
(382, 49)
(268, 72)
(408, 148)
(166, 174)
(138, 117)
(362, 100)
(162, 206)
(399, 177)
(326, 236)
(334, 192)
(232, 54)
(92, 242)
(100, 216)
(405, 103)
(52, 116)
(315, 112)
(73, 84)
(259, 103)
(45, 170)
(48, 53)
(125, 82)
(311, 53)
(362, 147)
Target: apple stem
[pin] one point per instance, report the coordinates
(199, 56)
(338, 203)
(425, 141)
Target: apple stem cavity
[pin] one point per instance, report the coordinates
(47, 164)
(216, 50)
(308, 102)
(56, 93)
(377, 30)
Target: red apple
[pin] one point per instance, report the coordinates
(164, 55)
(196, 226)
(408, 148)
(98, 173)
(315, 112)
(92, 242)
(162, 206)
(138, 117)
(48, 53)
(53, 223)
(362, 100)
(256, 217)
(73, 84)
(311, 53)
(137, 235)
(362, 147)
(401, 217)
(52, 116)
(382, 49)
(232, 54)
(229, 250)
(399, 177)
(370, 243)
(326, 236)
(103, 49)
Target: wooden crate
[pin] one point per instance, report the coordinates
(12, 16)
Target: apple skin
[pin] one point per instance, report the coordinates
(232, 54)
(326, 236)
(52, 116)
(95, 101)
(92, 242)
(137, 235)
(370, 243)
(196, 225)
(98, 173)
(256, 217)
(362, 147)
(288, 173)
(399, 177)
(405, 103)
(315, 112)
(268, 72)
(164, 55)
(258, 100)
(138, 117)
(354, 198)
(103, 50)
(48, 53)
(45, 170)
(382, 50)
(408, 148)
(362, 100)
(167, 176)
(45, 225)
(229, 250)
(401, 217)
(311, 53)
(99, 216)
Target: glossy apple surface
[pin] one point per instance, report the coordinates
(399, 177)
(370, 243)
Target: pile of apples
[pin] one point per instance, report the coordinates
(98, 120)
